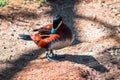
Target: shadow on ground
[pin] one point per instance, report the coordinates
(18, 13)
(87, 60)
(19, 64)
(66, 9)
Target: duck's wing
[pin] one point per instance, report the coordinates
(44, 31)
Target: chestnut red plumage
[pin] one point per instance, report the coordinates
(53, 36)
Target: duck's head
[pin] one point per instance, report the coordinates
(57, 21)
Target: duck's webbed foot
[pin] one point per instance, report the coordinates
(54, 57)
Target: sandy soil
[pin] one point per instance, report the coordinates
(94, 54)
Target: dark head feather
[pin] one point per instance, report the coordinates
(56, 21)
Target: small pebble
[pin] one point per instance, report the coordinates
(114, 62)
(118, 66)
(18, 38)
(14, 30)
(11, 50)
(103, 1)
(5, 47)
(12, 34)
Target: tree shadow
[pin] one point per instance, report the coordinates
(94, 19)
(87, 60)
(19, 64)
(19, 13)
(65, 8)
(113, 54)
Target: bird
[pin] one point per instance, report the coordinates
(54, 36)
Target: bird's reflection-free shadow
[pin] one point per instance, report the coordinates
(86, 60)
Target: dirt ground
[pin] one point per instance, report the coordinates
(94, 54)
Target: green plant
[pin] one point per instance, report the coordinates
(3, 3)
(42, 1)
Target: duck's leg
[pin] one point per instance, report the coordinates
(57, 55)
(49, 55)
(53, 57)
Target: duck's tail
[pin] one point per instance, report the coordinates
(25, 37)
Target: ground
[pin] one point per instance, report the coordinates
(93, 55)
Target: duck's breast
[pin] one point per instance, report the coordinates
(60, 42)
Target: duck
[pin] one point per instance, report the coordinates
(54, 36)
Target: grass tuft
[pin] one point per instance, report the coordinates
(42, 1)
(3, 3)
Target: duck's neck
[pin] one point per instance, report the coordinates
(53, 31)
